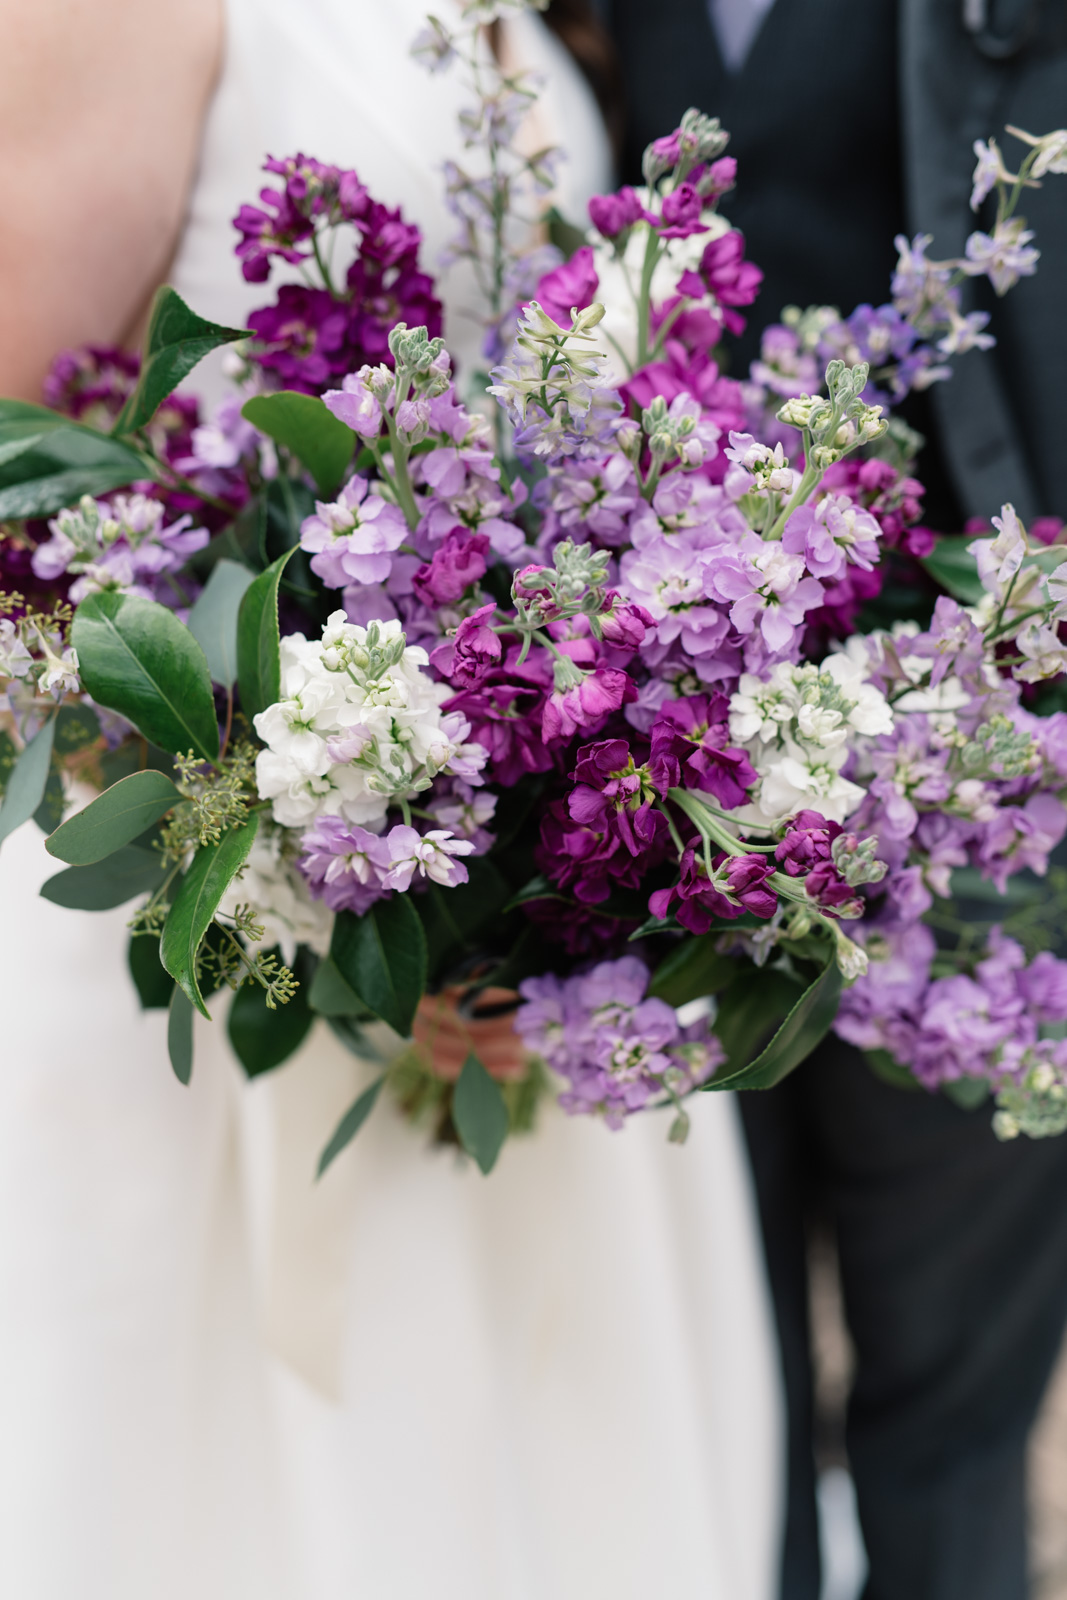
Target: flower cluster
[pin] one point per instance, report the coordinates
(314, 333)
(124, 544)
(617, 1050)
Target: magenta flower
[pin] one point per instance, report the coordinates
(611, 793)
(611, 213)
(570, 286)
(458, 561)
(586, 705)
(623, 625)
(732, 280)
(682, 210)
(737, 884)
(472, 652)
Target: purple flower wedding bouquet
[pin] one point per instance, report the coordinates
(606, 687)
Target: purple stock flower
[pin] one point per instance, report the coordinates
(737, 884)
(429, 855)
(690, 735)
(352, 538)
(682, 212)
(345, 865)
(831, 534)
(474, 649)
(623, 625)
(611, 792)
(766, 589)
(610, 214)
(458, 561)
(585, 706)
(572, 286)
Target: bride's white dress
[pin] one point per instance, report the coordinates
(220, 1380)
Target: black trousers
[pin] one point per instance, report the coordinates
(953, 1256)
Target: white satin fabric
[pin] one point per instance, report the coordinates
(220, 1379)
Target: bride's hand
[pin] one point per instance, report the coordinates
(101, 108)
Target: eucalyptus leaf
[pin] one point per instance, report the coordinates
(135, 657)
(213, 619)
(261, 1038)
(350, 1124)
(26, 783)
(807, 1023)
(180, 1036)
(259, 642)
(115, 818)
(49, 814)
(308, 430)
(382, 957)
(152, 981)
(213, 869)
(694, 968)
(480, 1114)
(8, 756)
(76, 726)
(108, 883)
(331, 996)
(177, 340)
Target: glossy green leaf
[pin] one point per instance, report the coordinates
(463, 921)
(308, 430)
(967, 1093)
(135, 657)
(258, 641)
(886, 1067)
(180, 1036)
(47, 461)
(479, 1114)
(152, 981)
(114, 818)
(108, 883)
(331, 996)
(213, 868)
(177, 340)
(694, 968)
(382, 956)
(76, 726)
(807, 1022)
(952, 566)
(213, 619)
(27, 780)
(262, 1039)
(350, 1124)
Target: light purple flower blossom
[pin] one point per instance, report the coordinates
(352, 538)
(429, 855)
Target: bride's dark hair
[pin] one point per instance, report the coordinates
(577, 26)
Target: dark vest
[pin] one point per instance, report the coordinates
(814, 122)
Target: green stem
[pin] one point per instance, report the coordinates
(648, 267)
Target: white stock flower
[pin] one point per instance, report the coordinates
(1045, 656)
(359, 725)
(999, 559)
(15, 659)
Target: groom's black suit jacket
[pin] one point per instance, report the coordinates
(854, 120)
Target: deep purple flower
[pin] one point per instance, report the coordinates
(682, 210)
(732, 280)
(623, 624)
(610, 792)
(474, 649)
(692, 735)
(738, 884)
(458, 561)
(302, 338)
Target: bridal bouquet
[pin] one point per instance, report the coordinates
(559, 696)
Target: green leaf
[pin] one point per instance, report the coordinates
(76, 726)
(382, 956)
(331, 996)
(350, 1124)
(8, 756)
(306, 428)
(952, 566)
(152, 981)
(47, 461)
(49, 813)
(807, 1023)
(180, 1036)
(108, 883)
(967, 1093)
(177, 340)
(114, 818)
(213, 619)
(693, 969)
(135, 657)
(479, 1114)
(258, 641)
(262, 1039)
(214, 867)
(26, 784)
(463, 921)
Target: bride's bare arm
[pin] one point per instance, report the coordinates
(101, 107)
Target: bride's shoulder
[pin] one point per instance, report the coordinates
(104, 104)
